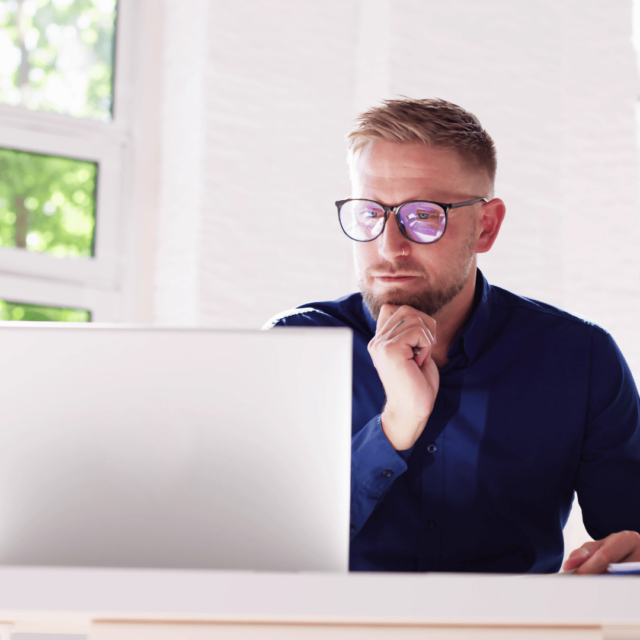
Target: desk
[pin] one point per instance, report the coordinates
(121, 604)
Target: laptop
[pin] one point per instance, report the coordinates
(175, 448)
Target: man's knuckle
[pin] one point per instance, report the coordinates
(606, 556)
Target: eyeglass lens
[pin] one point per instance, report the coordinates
(363, 220)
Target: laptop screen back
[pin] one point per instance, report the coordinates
(168, 448)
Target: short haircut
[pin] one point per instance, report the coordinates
(433, 121)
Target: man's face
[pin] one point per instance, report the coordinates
(392, 269)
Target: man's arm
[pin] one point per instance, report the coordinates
(375, 465)
(608, 481)
(380, 449)
(401, 353)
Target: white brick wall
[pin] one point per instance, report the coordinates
(278, 99)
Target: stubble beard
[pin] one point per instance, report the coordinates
(433, 296)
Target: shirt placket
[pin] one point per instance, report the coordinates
(431, 507)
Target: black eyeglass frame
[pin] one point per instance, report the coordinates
(446, 207)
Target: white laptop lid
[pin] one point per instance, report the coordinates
(169, 448)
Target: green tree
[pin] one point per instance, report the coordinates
(64, 51)
(47, 203)
(40, 313)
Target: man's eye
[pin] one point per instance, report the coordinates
(371, 213)
(421, 214)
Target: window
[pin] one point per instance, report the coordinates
(35, 313)
(47, 203)
(64, 145)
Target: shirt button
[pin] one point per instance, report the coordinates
(432, 448)
(429, 524)
(387, 473)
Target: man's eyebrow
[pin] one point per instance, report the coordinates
(418, 198)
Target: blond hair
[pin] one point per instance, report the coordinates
(433, 121)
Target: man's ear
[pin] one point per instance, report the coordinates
(491, 217)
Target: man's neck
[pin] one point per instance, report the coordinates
(451, 319)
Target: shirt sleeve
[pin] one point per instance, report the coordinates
(375, 465)
(608, 481)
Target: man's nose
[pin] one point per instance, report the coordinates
(391, 243)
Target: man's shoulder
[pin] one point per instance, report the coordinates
(346, 311)
(542, 312)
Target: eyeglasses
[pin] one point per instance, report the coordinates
(419, 221)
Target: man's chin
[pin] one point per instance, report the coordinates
(424, 301)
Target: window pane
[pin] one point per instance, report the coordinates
(57, 55)
(36, 312)
(47, 203)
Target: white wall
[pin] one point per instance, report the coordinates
(257, 98)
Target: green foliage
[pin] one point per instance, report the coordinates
(35, 312)
(47, 203)
(57, 55)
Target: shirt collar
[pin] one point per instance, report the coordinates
(470, 339)
(469, 342)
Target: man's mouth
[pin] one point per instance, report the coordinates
(394, 277)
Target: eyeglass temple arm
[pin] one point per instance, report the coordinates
(467, 203)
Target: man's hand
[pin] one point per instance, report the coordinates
(401, 353)
(595, 557)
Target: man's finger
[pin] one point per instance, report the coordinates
(409, 339)
(404, 325)
(422, 353)
(618, 547)
(386, 311)
(580, 556)
(391, 315)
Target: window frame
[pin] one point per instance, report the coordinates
(96, 283)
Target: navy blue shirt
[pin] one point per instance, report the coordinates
(534, 404)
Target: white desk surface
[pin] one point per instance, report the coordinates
(66, 600)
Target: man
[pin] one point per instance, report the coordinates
(476, 413)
